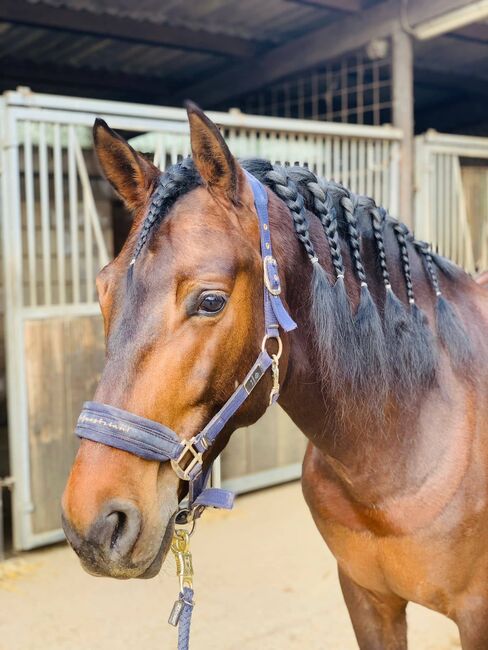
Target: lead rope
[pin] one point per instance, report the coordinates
(182, 610)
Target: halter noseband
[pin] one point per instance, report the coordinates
(154, 441)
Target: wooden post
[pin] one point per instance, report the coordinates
(402, 71)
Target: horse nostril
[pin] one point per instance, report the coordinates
(121, 520)
(117, 528)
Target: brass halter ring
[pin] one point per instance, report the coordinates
(278, 340)
(275, 366)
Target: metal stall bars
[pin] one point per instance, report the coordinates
(57, 233)
(451, 206)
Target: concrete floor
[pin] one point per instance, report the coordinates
(264, 581)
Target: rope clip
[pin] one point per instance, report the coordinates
(180, 546)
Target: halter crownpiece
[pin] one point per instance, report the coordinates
(155, 441)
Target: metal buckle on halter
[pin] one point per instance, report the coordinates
(197, 459)
(276, 289)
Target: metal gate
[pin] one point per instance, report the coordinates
(451, 208)
(56, 231)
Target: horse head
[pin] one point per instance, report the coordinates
(183, 318)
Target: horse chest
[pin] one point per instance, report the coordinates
(419, 546)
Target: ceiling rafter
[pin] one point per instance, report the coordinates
(344, 6)
(334, 40)
(121, 28)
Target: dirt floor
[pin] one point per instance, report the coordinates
(264, 581)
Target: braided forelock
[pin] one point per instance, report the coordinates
(176, 181)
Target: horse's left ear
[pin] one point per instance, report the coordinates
(217, 166)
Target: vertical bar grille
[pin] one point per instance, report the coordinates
(64, 245)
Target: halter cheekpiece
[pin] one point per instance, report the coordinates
(154, 441)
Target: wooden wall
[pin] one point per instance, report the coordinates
(64, 358)
(274, 441)
(475, 184)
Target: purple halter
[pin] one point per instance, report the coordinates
(154, 441)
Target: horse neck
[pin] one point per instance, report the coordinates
(336, 427)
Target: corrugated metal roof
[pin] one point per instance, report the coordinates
(43, 46)
(265, 20)
(261, 23)
(144, 59)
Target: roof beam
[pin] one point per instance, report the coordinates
(329, 42)
(22, 12)
(344, 6)
(69, 80)
(473, 32)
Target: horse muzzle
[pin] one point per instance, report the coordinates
(109, 546)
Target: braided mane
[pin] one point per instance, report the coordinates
(384, 347)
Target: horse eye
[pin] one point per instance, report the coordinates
(212, 303)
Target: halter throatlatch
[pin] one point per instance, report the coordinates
(154, 441)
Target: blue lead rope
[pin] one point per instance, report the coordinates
(185, 618)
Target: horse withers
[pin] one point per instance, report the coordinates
(386, 375)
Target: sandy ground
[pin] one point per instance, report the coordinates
(264, 581)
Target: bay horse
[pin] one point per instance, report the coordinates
(386, 375)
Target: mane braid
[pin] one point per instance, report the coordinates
(425, 361)
(401, 335)
(332, 315)
(369, 354)
(450, 329)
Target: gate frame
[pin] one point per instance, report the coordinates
(427, 145)
(25, 105)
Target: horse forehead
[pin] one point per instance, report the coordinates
(199, 229)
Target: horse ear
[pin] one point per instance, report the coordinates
(211, 155)
(132, 175)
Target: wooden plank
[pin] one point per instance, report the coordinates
(85, 358)
(45, 362)
(122, 28)
(235, 457)
(273, 442)
(64, 357)
(263, 437)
